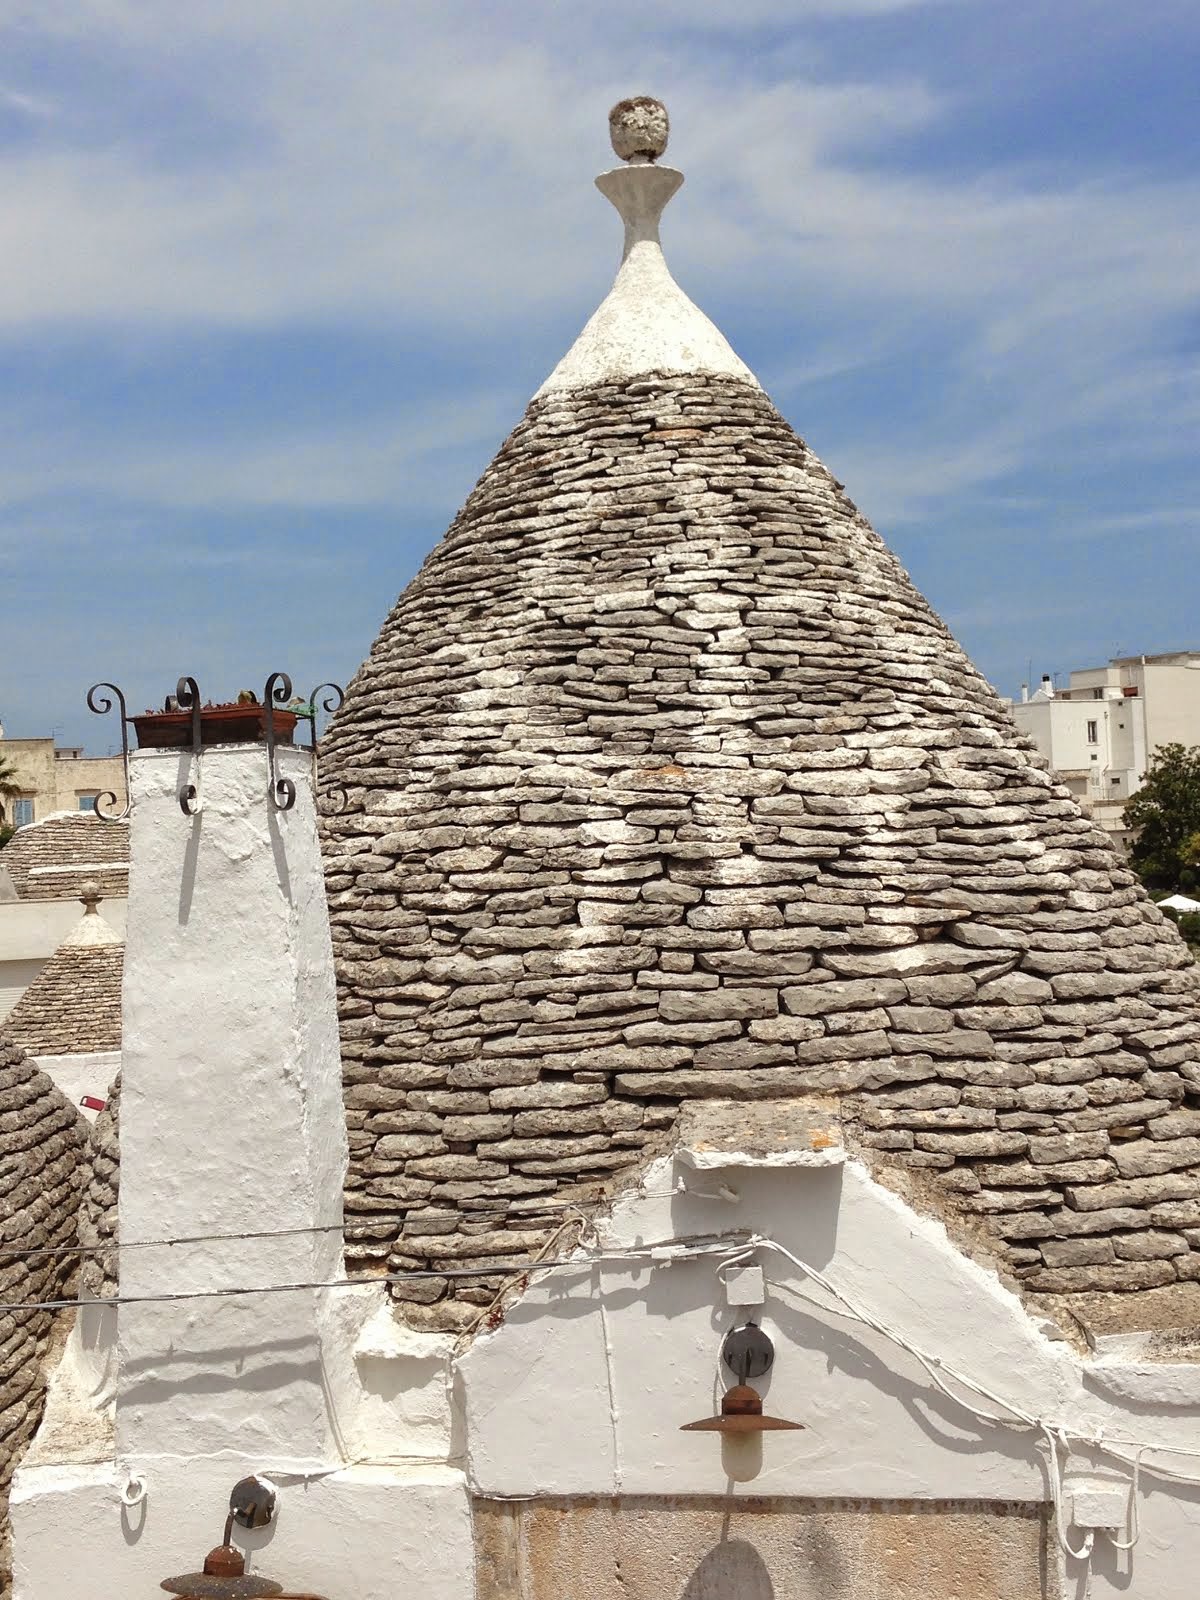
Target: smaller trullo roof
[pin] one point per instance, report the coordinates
(51, 859)
(73, 1006)
(665, 783)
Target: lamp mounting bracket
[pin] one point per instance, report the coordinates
(747, 1352)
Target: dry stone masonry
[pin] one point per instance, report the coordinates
(99, 1271)
(51, 860)
(664, 782)
(42, 1145)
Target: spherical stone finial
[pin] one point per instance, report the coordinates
(90, 895)
(639, 128)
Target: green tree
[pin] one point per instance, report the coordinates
(1165, 812)
(9, 787)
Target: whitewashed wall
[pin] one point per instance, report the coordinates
(89, 1073)
(583, 1389)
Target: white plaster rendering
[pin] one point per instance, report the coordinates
(230, 1112)
(34, 929)
(84, 1076)
(368, 1533)
(646, 323)
(231, 1124)
(628, 1349)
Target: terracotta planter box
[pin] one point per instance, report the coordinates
(170, 730)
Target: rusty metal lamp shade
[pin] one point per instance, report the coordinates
(224, 1578)
(748, 1353)
(741, 1412)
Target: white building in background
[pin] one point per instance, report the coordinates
(1099, 732)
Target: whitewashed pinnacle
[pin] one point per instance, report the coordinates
(91, 929)
(646, 323)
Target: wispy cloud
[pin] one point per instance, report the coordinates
(972, 341)
(397, 458)
(28, 105)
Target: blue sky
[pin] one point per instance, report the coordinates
(277, 276)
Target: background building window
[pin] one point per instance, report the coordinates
(1097, 694)
(22, 810)
(87, 802)
(1093, 732)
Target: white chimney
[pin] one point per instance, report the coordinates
(1047, 686)
(231, 1112)
(233, 1143)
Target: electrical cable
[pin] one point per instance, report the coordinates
(653, 1254)
(348, 1225)
(958, 1389)
(1055, 1434)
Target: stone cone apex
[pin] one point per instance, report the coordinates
(665, 782)
(646, 323)
(91, 930)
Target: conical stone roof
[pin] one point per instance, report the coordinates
(73, 1006)
(663, 781)
(41, 1176)
(51, 859)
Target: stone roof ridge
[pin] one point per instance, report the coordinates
(50, 859)
(646, 324)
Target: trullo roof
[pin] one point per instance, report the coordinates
(663, 781)
(73, 1005)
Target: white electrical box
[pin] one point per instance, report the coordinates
(744, 1286)
(1099, 1504)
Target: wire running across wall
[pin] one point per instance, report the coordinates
(347, 1225)
(652, 1254)
(733, 1248)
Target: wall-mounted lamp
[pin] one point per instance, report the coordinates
(748, 1353)
(224, 1577)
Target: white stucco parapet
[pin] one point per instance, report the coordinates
(646, 323)
(627, 1350)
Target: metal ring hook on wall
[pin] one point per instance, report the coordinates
(134, 1491)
